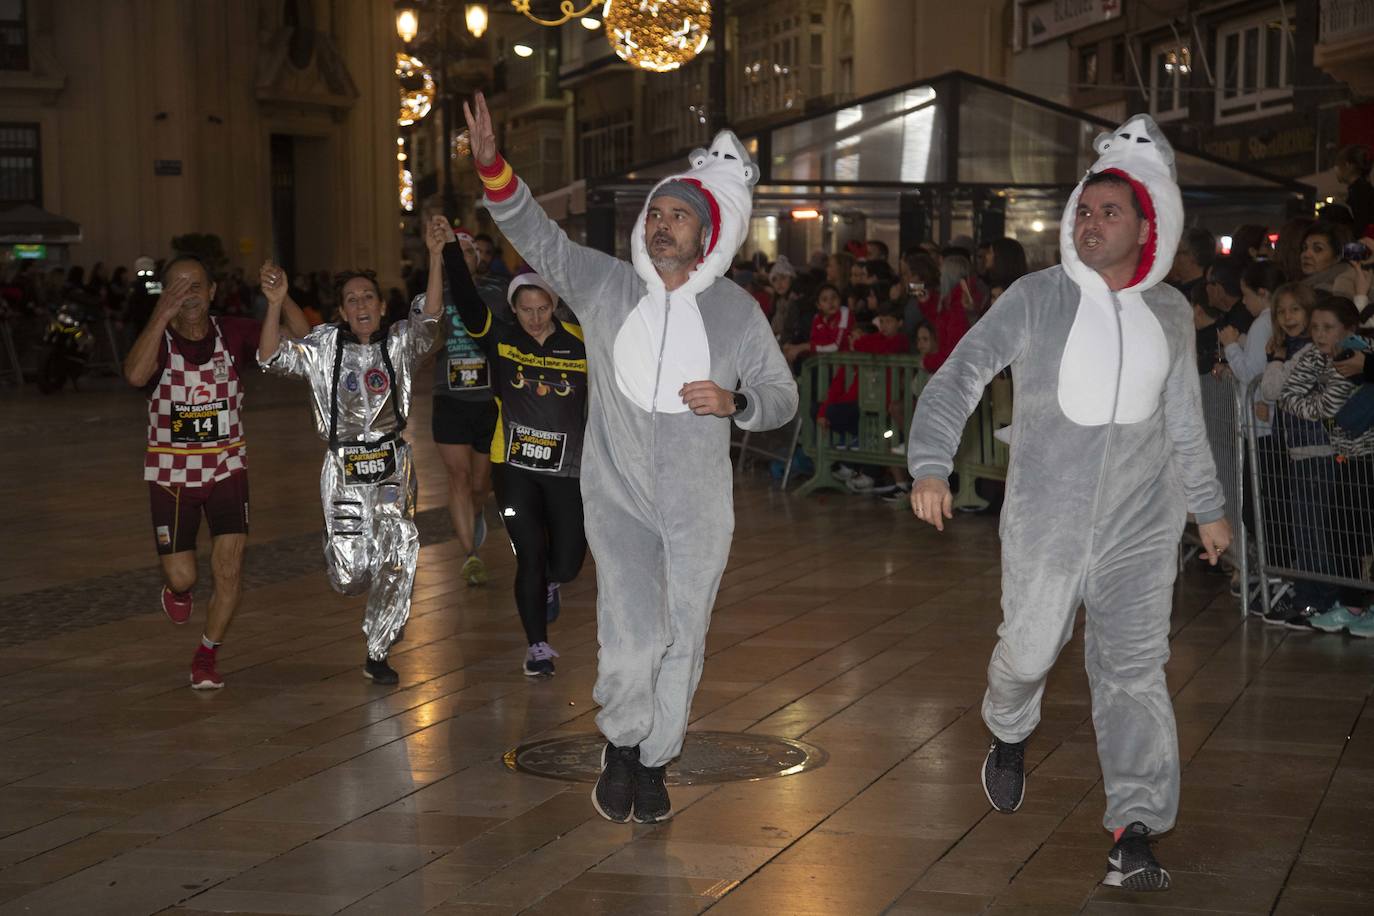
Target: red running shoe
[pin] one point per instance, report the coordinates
(177, 605)
(203, 673)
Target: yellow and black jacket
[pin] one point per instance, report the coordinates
(541, 389)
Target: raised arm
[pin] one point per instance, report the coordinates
(289, 356)
(472, 308)
(577, 272)
(141, 362)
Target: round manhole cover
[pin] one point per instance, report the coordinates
(707, 757)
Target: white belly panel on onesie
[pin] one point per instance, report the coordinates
(686, 353)
(1088, 368)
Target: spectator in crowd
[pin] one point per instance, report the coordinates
(119, 289)
(1320, 260)
(877, 250)
(1352, 170)
(951, 318)
(839, 412)
(1292, 310)
(1205, 319)
(817, 264)
(1333, 486)
(97, 284)
(838, 269)
(791, 318)
(1223, 292)
(1289, 250)
(921, 276)
(830, 328)
(956, 285)
(1248, 353)
(761, 289)
(489, 259)
(1196, 251)
(982, 260)
(1006, 263)
(1251, 243)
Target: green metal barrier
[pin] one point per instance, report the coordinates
(889, 387)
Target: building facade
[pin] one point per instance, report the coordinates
(1273, 85)
(269, 123)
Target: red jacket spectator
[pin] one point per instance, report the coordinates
(880, 344)
(830, 333)
(951, 324)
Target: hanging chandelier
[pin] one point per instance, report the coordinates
(417, 88)
(567, 10)
(657, 35)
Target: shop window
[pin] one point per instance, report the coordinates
(1254, 68)
(19, 165)
(1171, 66)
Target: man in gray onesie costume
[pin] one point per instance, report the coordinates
(1108, 456)
(673, 349)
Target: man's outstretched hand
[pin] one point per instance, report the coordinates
(480, 132)
(932, 502)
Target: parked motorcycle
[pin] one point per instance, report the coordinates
(69, 343)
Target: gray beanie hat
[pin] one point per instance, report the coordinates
(691, 195)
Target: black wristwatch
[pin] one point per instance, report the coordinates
(741, 402)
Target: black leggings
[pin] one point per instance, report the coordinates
(543, 518)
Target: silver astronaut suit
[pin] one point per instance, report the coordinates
(361, 395)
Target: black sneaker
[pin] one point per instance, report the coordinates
(1302, 619)
(379, 672)
(1004, 775)
(1132, 865)
(613, 796)
(1280, 611)
(651, 795)
(539, 660)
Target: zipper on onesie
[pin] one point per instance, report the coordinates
(663, 341)
(1111, 420)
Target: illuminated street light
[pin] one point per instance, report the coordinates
(476, 18)
(522, 50)
(407, 24)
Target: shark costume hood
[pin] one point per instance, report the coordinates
(1140, 153)
(726, 176)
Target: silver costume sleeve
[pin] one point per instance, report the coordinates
(295, 357)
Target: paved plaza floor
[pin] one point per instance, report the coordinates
(842, 624)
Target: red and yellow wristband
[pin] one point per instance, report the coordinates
(498, 178)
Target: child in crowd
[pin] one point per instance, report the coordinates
(1332, 474)
(839, 412)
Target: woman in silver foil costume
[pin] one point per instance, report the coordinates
(360, 372)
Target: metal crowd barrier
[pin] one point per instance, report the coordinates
(1224, 413)
(1315, 507)
(888, 388)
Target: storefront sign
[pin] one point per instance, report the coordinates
(30, 252)
(1345, 19)
(1047, 20)
(166, 166)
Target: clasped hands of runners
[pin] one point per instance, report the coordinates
(704, 397)
(933, 503)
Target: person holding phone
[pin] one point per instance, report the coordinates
(360, 373)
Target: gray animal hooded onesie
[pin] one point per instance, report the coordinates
(1108, 455)
(656, 478)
